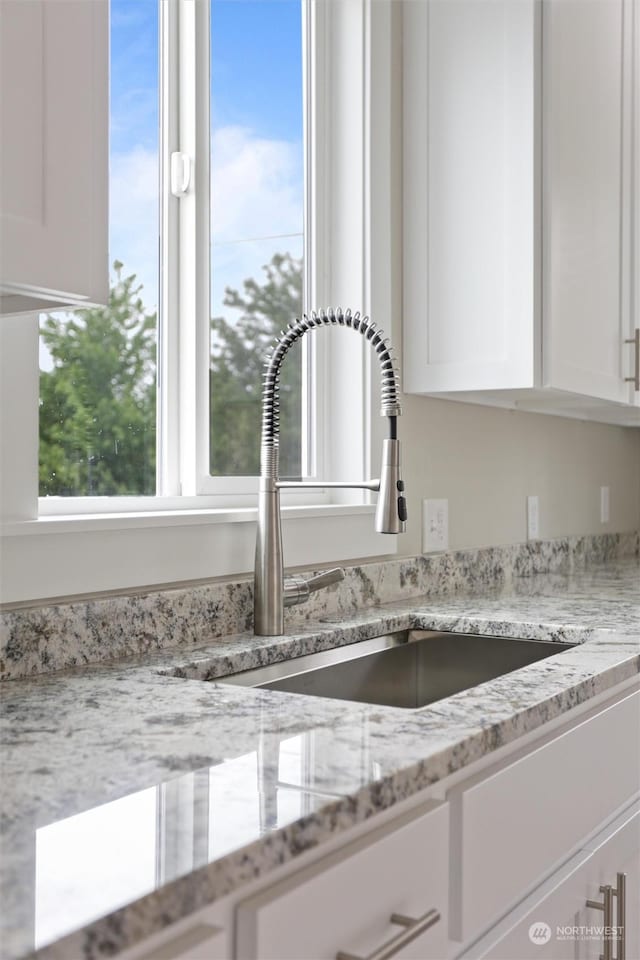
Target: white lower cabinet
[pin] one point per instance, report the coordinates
(556, 923)
(495, 863)
(511, 826)
(345, 905)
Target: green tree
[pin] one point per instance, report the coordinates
(237, 361)
(97, 403)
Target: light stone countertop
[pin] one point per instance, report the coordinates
(111, 773)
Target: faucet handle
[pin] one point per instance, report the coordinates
(325, 579)
(297, 589)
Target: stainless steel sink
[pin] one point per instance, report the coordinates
(408, 669)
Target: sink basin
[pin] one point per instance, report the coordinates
(408, 669)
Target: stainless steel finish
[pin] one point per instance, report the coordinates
(413, 928)
(268, 586)
(635, 379)
(607, 892)
(620, 893)
(341, 484)
(408, 669)
(270, 592)
(607, 907)
(297, 589)
(325, 579)
(387, 515)
(296, 329)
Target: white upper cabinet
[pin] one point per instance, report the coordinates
(53, 153)
(469, 192)
(584, 132)
(520, 207)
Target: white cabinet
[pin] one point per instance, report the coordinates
(53, 153)
(351, 902)
(520, 158)
(586, 193)
(522, 838)
(556, 922)
(515, 824)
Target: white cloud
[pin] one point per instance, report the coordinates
(257, 192)
(256, 188)
(256, 196)
(133, 217)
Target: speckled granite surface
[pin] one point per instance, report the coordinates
(50, 637)
(132, 796)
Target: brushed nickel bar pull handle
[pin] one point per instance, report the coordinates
(607, 907)
(413, 928)
(635, 379)
(620, 893)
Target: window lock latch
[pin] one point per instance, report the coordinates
(180, 173)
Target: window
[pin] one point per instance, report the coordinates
(98, 366)
(187, 509)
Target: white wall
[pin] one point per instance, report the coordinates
(486, 461)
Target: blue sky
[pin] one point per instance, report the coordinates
(134, 74)
(256, 66)
(256, 97)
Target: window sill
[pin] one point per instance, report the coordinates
(41, 559)
(138, 519)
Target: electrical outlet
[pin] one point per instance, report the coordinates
(435, 525)
(604, 504)
(533, 518)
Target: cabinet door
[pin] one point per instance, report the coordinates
(616, 852)
(53, 153)
(555, 922)
(469, 246)
(345, 902)
(557, 821)
(586, 159)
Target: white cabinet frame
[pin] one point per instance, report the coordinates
(520, 237)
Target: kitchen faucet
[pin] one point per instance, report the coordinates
(272, 592)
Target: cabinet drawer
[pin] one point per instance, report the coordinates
(344, 902)
(513, 827)
(561, 904)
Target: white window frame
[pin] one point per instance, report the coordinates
(196, 530)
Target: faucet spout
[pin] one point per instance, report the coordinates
(271, 593)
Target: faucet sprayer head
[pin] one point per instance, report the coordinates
(391, 509)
